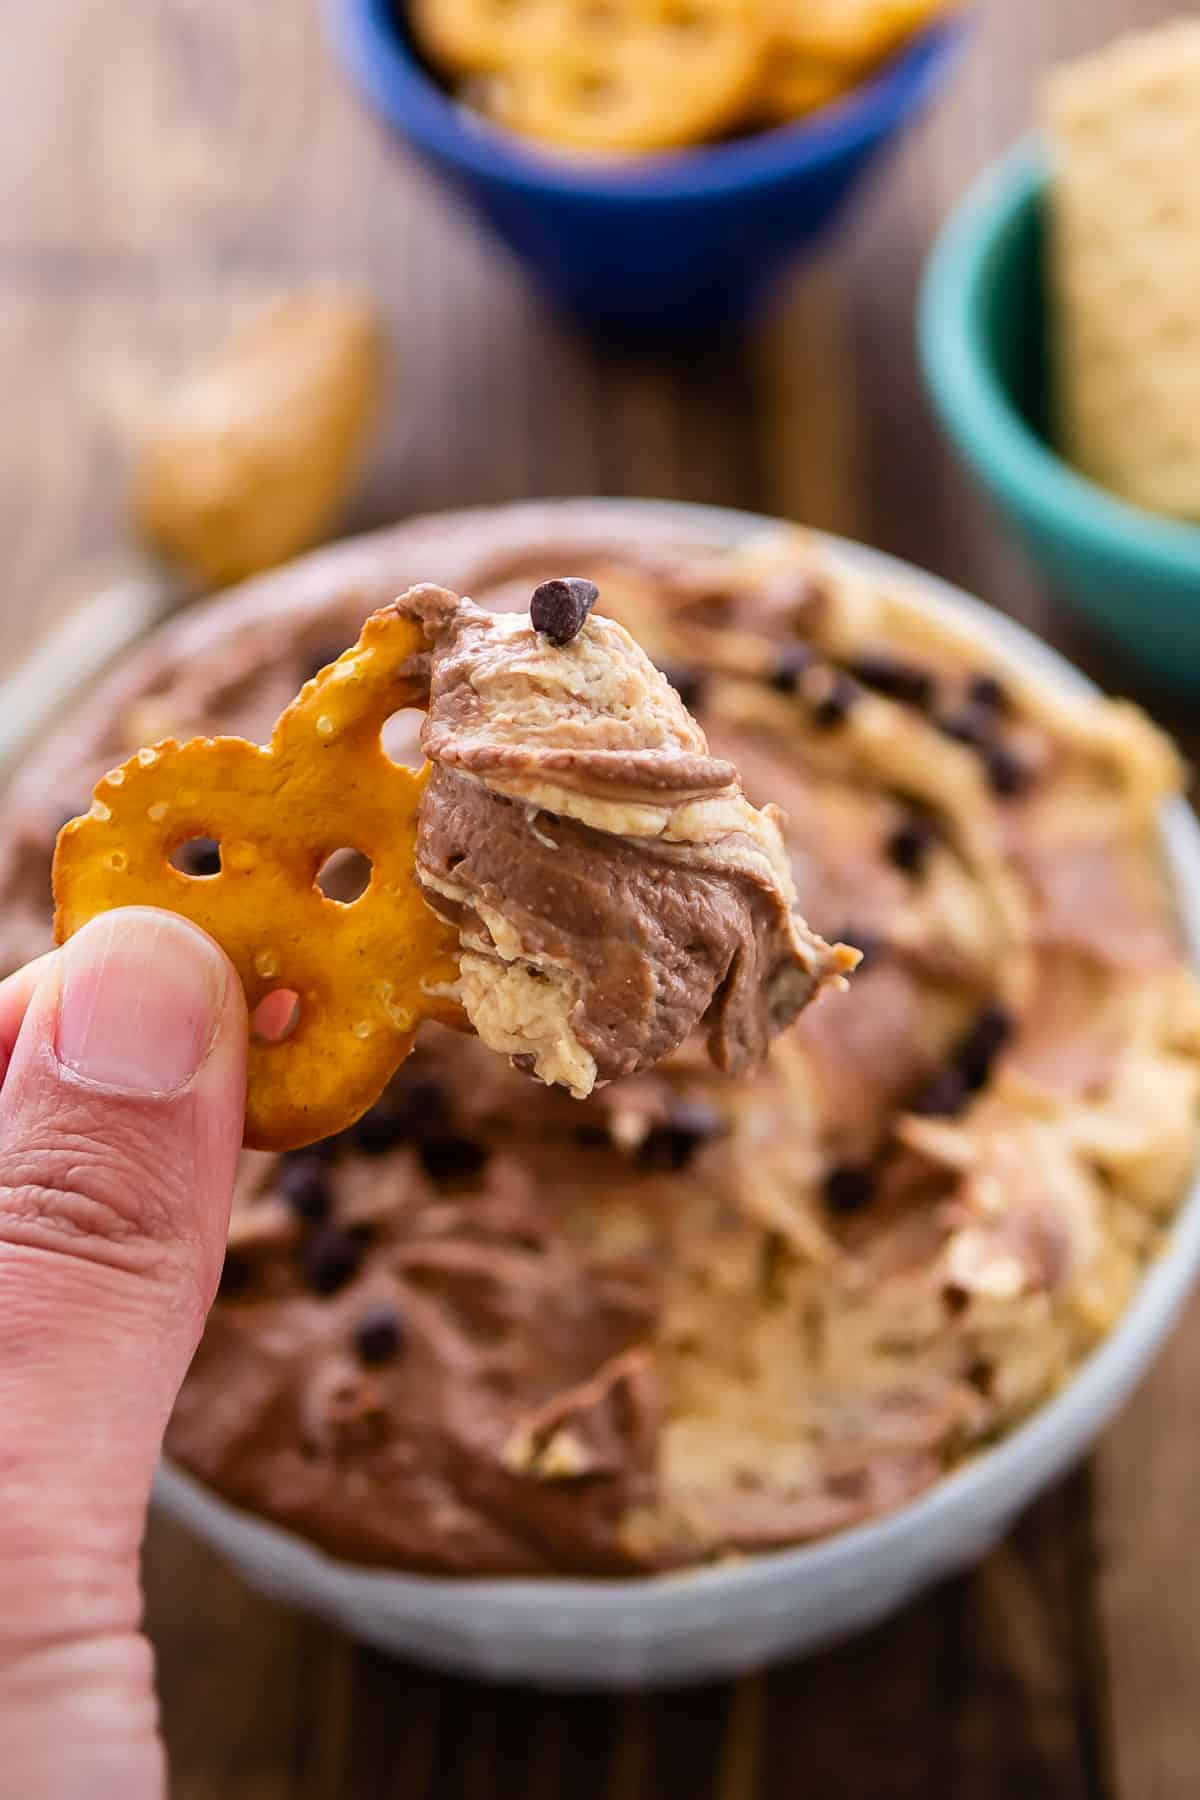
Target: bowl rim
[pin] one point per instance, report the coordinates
(365, 39)
(1022, 467)
(1002, 1468)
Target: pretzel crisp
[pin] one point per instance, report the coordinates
(364, 973)
(635, 76)
(822, 48)
(616, 77)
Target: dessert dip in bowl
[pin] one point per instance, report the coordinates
(700, 1371)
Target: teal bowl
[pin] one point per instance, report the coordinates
(984, 352)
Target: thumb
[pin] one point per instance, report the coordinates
(120, 1121)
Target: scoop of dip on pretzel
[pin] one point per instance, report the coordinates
(571, 870)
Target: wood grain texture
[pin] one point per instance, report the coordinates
(165, 166)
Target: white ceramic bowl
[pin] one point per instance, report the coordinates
(718, 1621)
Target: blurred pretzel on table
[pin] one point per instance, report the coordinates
(243, 462)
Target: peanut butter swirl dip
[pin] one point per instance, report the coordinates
(612, 886)
(496, 1329)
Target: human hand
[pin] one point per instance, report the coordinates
(123, 1064)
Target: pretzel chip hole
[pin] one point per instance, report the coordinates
(345, 876)
(276, 1016)
(400, 736)
(199, 858)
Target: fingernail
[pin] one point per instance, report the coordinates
(140, 1000)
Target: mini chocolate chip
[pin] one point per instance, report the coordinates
(331, 1259)
(898, 680)
(975, 726)
(411, 1110)
(452, 1158)
(379, 1130)
(236, 1276)
(986, 691)
(687, 682)
(305, 1186)
(202, 856)
(667, 1151)
(1008, 774)
(981, 1374)
(909, 845)
(671, 1145)
(943, 1098)
(832, 708)
(992, 1030)
(791, 662)
(849, 1189)
(379, 1335)
(972, 726)
(424, 1104)
(947, 1094)
(559, 607)
(592, 1137)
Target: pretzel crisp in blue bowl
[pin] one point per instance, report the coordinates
(682, 240)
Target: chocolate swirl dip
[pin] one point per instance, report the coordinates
(496, 1329)
(612, 887)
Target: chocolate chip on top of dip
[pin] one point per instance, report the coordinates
(494, 1328)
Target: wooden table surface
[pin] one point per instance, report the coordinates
(164, 165)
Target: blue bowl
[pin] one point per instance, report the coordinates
(985, 354)
(647, 248)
